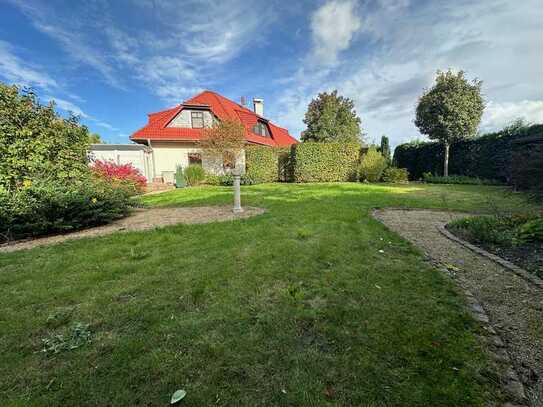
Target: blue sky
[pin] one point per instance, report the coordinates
(112, 62)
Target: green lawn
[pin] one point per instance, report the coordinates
(293, 307)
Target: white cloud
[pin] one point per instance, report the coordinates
(496, 41)
(67, 106)
(333, 26)
(70, 107)
(498, 115)
(17, 71)
(176, 47)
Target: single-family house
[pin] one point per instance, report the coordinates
(172, 136)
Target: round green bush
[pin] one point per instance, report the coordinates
(372, 166)
(396, 175)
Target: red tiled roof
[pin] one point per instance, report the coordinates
(156, 129)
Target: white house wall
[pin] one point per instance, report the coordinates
(168, 155)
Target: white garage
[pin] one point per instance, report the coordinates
(136, 154)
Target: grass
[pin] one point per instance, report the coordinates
(294, 307)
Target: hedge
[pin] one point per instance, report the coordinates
(268, 164)
(324, 162)
(261, 163)
(486, 157)
(527, 163)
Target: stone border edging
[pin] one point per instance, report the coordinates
(502, 262)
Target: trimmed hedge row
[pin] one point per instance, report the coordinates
(304, 162)
(486, 157)
(261, 163)
(325, 162)
(527, 163)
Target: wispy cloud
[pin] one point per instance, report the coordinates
(333, 27)
(15, 70)
(67, 106)
(71, 107)
(70, 34)
(172, 55)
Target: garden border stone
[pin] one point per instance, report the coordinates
(502, 262)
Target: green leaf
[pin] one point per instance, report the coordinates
(178, 396)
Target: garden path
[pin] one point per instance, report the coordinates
(142, 219)
(514, 305)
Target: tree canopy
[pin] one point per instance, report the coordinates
(451, 110)
(332, 118)
(36, 142)
(225, 139)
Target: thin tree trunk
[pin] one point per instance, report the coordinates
(446, 161)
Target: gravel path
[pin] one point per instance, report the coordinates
(514, 306)
(142, 219)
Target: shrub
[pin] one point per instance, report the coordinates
(212, 179)
(456, 179)
(120, 173)
(46, 206)
(324, 162)
(35, 140)
(485, 229)
(531, 231)
(194, 175)
(372, 166)
(500, 229)
(228, 180)
(396, 175)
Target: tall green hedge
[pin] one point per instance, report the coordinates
(325, 162)
(487, 157)
(261, 164)
(527, 163)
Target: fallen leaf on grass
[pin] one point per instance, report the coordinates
(451, 267)
(178, 396)
(329, 392)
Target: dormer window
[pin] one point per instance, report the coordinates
(261, 129)
(197, 119)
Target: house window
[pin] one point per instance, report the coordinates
(261, 129)
(195, 158)
(197, 119)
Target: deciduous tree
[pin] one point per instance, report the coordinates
(450, 111)
(332, 118)
(226, 140)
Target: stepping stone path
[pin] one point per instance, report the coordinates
(508, 305)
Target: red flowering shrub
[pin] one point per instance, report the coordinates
(123, 173)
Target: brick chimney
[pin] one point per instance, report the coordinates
(258, 106)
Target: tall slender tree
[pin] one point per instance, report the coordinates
(385, 148)
(450, 111)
